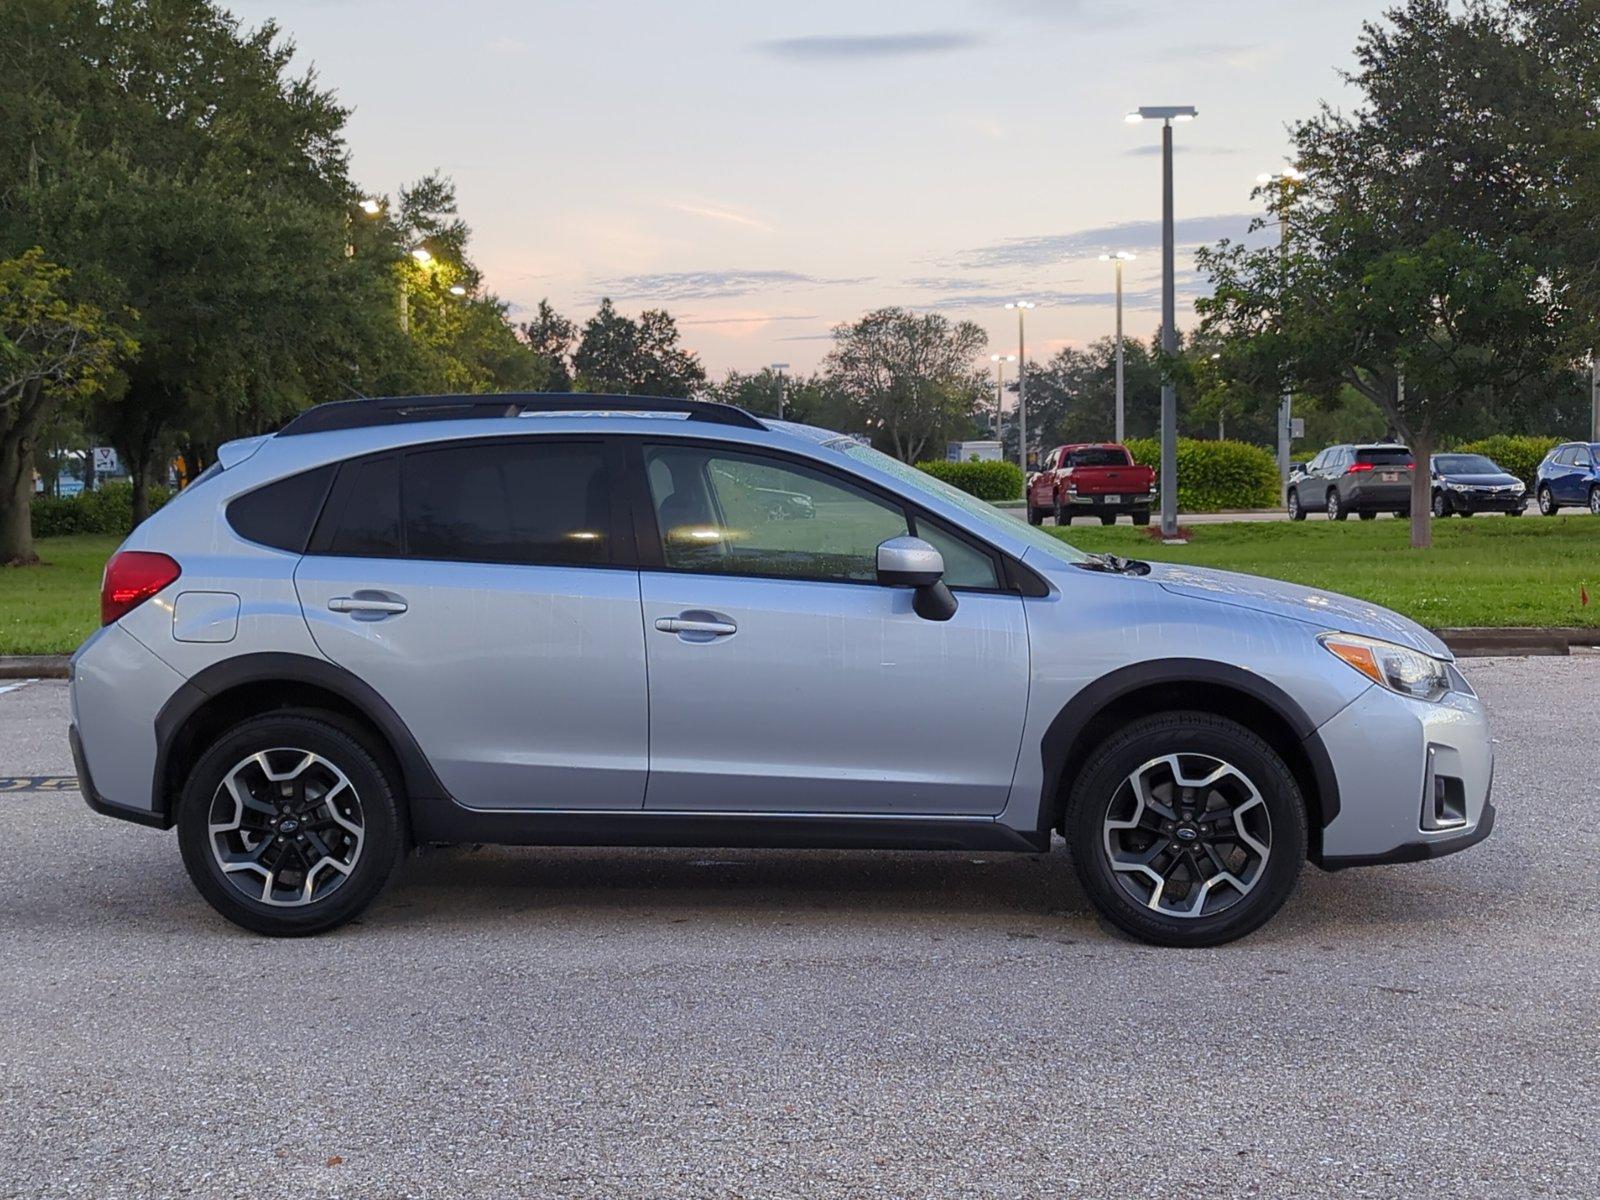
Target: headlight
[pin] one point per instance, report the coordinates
(1519, 488)
(1457, 487)
(1408, 672)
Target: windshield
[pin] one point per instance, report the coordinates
(1096, 456)
(985, 514)
(1385, 456)
(1464, 464)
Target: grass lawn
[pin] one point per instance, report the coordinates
(1526, 571)
(50, 608)
(1495, 571)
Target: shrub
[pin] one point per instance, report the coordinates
(985, 480)
(107, 509)
(1517, 454)
(1213, 476)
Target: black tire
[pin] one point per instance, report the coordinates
(1441, 505)
(1594, 501)
(383, 833)
(1141, 516)
(1035, 515)
(1547, 502)
(1513, 512)
(1108, 518)
(1336, 508)
(1102, 785)
(1296, 511)
(1368, 516)
(1063, 518)
(1404, 514)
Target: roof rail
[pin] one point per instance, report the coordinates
(402, 410)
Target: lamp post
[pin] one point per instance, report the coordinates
(780, 368)
(1120, 257)
(1000, 361)
(1285, 179)
(1167, 114)
(1022, 307)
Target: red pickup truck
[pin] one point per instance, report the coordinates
(1095, 479)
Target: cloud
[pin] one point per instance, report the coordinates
(1241, 56)
(830, 47)
(711, 285)
(1129, 235)
(727, 216)
(1153, 150)
(1085, 14)
(759, 319)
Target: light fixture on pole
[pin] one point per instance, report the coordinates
(422, 256)
(371, 207)
(1022, 306)
(1120, 257)
(1167, 114)
(457, 290)
(1000, 361)
(1285, 179)
(780, 368)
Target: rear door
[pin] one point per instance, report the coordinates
(476, 586)
(783, 678)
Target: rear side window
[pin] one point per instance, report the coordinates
(281, 514)
(1096, 456)
(367, 524)
(511, 502)
(1397, 457)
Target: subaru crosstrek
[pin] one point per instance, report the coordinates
(588, 621)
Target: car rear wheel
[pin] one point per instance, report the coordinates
(1547, 503)
(1141, 516)
(289, 826)
(1186, 829)
(1035, 515)
(1336, 509)
(1108, 518)
(1368, 516)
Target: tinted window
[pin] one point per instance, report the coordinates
(368, 522)
(964, 565)
(282, 513)
(1566, 456)
(1397, 456)
(514, 502)
(1096, 456)
(734, 514)
(1464, 464)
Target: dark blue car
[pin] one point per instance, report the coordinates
(1569, 477)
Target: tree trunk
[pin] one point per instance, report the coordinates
(1422, 491)
(141, 493)
(18, 425)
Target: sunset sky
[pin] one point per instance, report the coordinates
(765, 171)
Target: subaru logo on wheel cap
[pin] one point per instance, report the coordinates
(1186, 834)
(288, 825)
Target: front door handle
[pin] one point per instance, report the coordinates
(372, 605)
(695, 625)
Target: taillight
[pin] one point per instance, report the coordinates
(1354, 467)
(131, 578)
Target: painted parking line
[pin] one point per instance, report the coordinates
(38, 783)
(15, 686)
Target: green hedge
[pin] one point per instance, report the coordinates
(107, 509)
(1213, 476)
(985, 480)
(1518, 454)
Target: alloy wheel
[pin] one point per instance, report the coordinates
(1594, 501)
(286, 827)
(1187, 835)
(1546, 501)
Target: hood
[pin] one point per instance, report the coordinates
(1495, 479)
(1326, 610)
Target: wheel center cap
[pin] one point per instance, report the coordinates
(288, 825)
(1187, 833)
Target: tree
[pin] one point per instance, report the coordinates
(51, 348)
(1423, 270)
(809, 400)
(623, 357)
(911, 377)
(552, 337)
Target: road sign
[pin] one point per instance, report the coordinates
(1297, 427)
(105, 461)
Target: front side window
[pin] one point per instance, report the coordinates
(727, 513)
(508, 502)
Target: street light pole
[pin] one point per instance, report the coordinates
(1120, 257)
(1000, 361)
(1285, 179)
(780, 368)
(1022, 306)
(1167, 114)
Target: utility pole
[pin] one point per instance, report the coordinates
(1120, 257)
(780, 368)
(1022, 306)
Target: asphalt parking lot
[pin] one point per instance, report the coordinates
(598, 1023)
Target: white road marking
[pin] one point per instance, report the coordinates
(11, 687)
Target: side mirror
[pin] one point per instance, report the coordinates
(1294, 466)
(913, 563)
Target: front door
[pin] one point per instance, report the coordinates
(784, 679)
(488, 614)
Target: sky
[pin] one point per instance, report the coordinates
(767, 171)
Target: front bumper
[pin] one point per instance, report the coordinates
(1414, 779)
(1485, 501)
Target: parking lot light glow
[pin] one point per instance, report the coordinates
(371, 207)
(457, 290)
(422, 256)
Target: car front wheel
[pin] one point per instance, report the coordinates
(1547, 502)
(1441, 506)
(1186, 829)
(1594, 501)
(288, 825)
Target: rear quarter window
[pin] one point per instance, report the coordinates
(281, 514)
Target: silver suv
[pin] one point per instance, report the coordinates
(612, 621)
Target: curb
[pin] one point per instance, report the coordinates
(33, 666)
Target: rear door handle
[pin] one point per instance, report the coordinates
(692, 625)
(378, 606)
